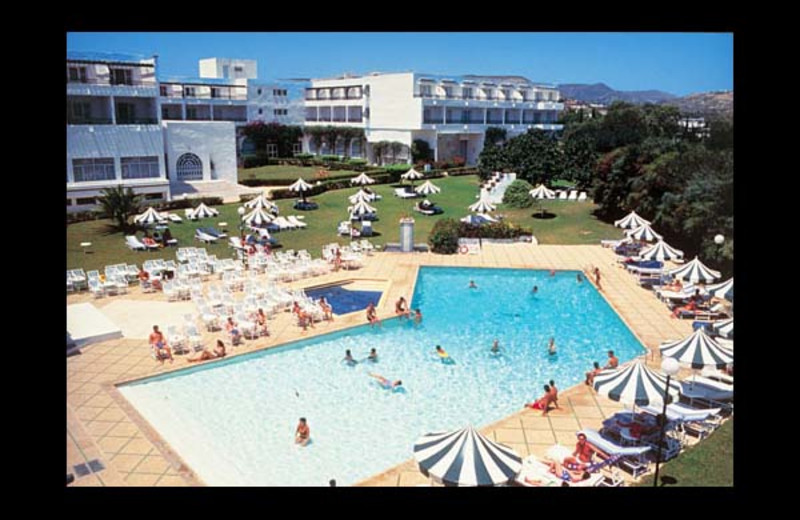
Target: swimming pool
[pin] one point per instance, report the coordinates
(344, 300)
(233, 422)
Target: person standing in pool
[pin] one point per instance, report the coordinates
(551, 348)
(348, 358)
(496, 346)
(303, 433)
(472, 284)
(444, 356)
(373, 355)
(417, 316)
(579, 278)
(535, 290)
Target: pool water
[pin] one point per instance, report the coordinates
(343, 300)
(233, 422)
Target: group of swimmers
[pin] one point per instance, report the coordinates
(350, 360)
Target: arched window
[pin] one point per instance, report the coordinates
(189, 168)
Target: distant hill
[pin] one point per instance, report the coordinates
(602, 93)
(705, 104)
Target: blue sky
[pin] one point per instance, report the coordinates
(680, 63)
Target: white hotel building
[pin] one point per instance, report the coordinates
(451, 113)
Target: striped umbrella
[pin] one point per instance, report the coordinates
(426, 188)
(635, 384)
(661, 252)
(466, 458)
(361, 208)
(150, 216)
(724, 328)
(258, 217)
(644, 232)
(698, 351)
(301, 187)
(360, 196)
(362, 179)
(261, 202)
(412, 175)
(722, 290)
(631, 221)
(483, 205)
(203, 211)
(695, 271)
(542, 192)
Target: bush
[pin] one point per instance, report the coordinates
(493, 230)
(399, 167)
(187, 203)
(444, 236)
(517, 196)
(82, 216)
(304, 156)
(331, 158)
(357, 162)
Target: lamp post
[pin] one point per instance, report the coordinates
(670, 367)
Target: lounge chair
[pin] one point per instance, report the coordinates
(214, 232)
(174, 218)
(133, 243)
(344, 228)
(404, 194)
(305, 206)
(296, 221)
(573, 195)
(582, 196)
(562, 195)
(204, 237)
(630, 456)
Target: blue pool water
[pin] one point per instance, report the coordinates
(343, 300)
(233, 421)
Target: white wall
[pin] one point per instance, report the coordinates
(214, 68)
(209, 140)
(392, 103)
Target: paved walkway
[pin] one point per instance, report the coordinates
(100, 424)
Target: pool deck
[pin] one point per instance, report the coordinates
(100, 424)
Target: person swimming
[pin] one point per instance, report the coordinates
(472, 284)
(444, 356)
(496, 347)
(348, 358)
(535, 289)
(373, 355)
(551, 348)
(387, 384)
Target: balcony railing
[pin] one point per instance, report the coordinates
(137, 121)
(89, 120)
(433, 121)
(108, 82)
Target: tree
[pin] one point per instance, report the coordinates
(379, 149)
(495, 136)
(720, 135)
(517, 194)
(348, 134)
(623, 125)
(535, 156)
(316, 134)
(579, 146)
(661, 120)
(421, 151)
(491, 159)
(119, 204)
(331, 134)
(396, 148)
(284, 136)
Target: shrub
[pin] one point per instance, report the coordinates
(493, 230)
(421, 151)
(331, 158)
(304, 156)
(401, 167)
(82, 216)
(357, 162)
(517, 196)
(444, 236)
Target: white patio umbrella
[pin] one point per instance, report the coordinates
(697, 351)
(465, 457)
(631, 221)
(362, 179)
(301, 187)
(722, 290)
(203, 211)
(412, 175)
(359, 196)
(258, 217)
(635, 384)
(644, 232)
(260, 202)
(695, 271)
(661, 251)
(361, 208)
(542, 192)
(483, 205)
(724, 328)
(150, 216)
(427, 188)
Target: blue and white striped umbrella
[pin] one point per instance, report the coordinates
(722, 290)
(542, 192)
(260, 202)
(483, 205)
(203, 211)
(695, 271)
(724, 328)
(258, 217)
(362, 179)
(661, 252)
(635, 384)
(631, 221)
(411, 175)
(150, 216)
(698, 351)
(466, 458)
(644, 232)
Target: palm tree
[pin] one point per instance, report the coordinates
(119, 204)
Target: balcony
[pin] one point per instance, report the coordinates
(72, 120)
(108, 82)
(137, 121)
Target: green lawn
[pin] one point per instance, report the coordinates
(573, 224)
(709, 463)
(291, 172)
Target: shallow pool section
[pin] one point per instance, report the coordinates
(233, 421)
(344, 299)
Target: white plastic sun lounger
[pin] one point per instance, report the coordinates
(681, 412)
(296, 222)
(708, 389)
(134, 243)
(562, 195)
(594, 437)
(403, 194)
(204, 237)
(175, 218)
(582, 196)
(573, 195)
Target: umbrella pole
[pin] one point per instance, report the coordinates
(661, 434)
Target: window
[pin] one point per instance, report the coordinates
(85, 201)
(238, 69)
(191, 113)
(297, 148)
(190, 92)
(80, 112)
(163, 90)
(272, 150)
(121, 77)
(280, 111)
(216, 92)
(189, 167)
(125, 113)
(425, 91)
(258, 92)
(448, 91)
(354, 114)
(279, 92)
(467, 93)
(154, 196)
(356, 148)
(77, 74)
(260, 111)
(139, 167)
(507, 93)
(69, 202)
(324, 113)
(89, 170)
(311, 113)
